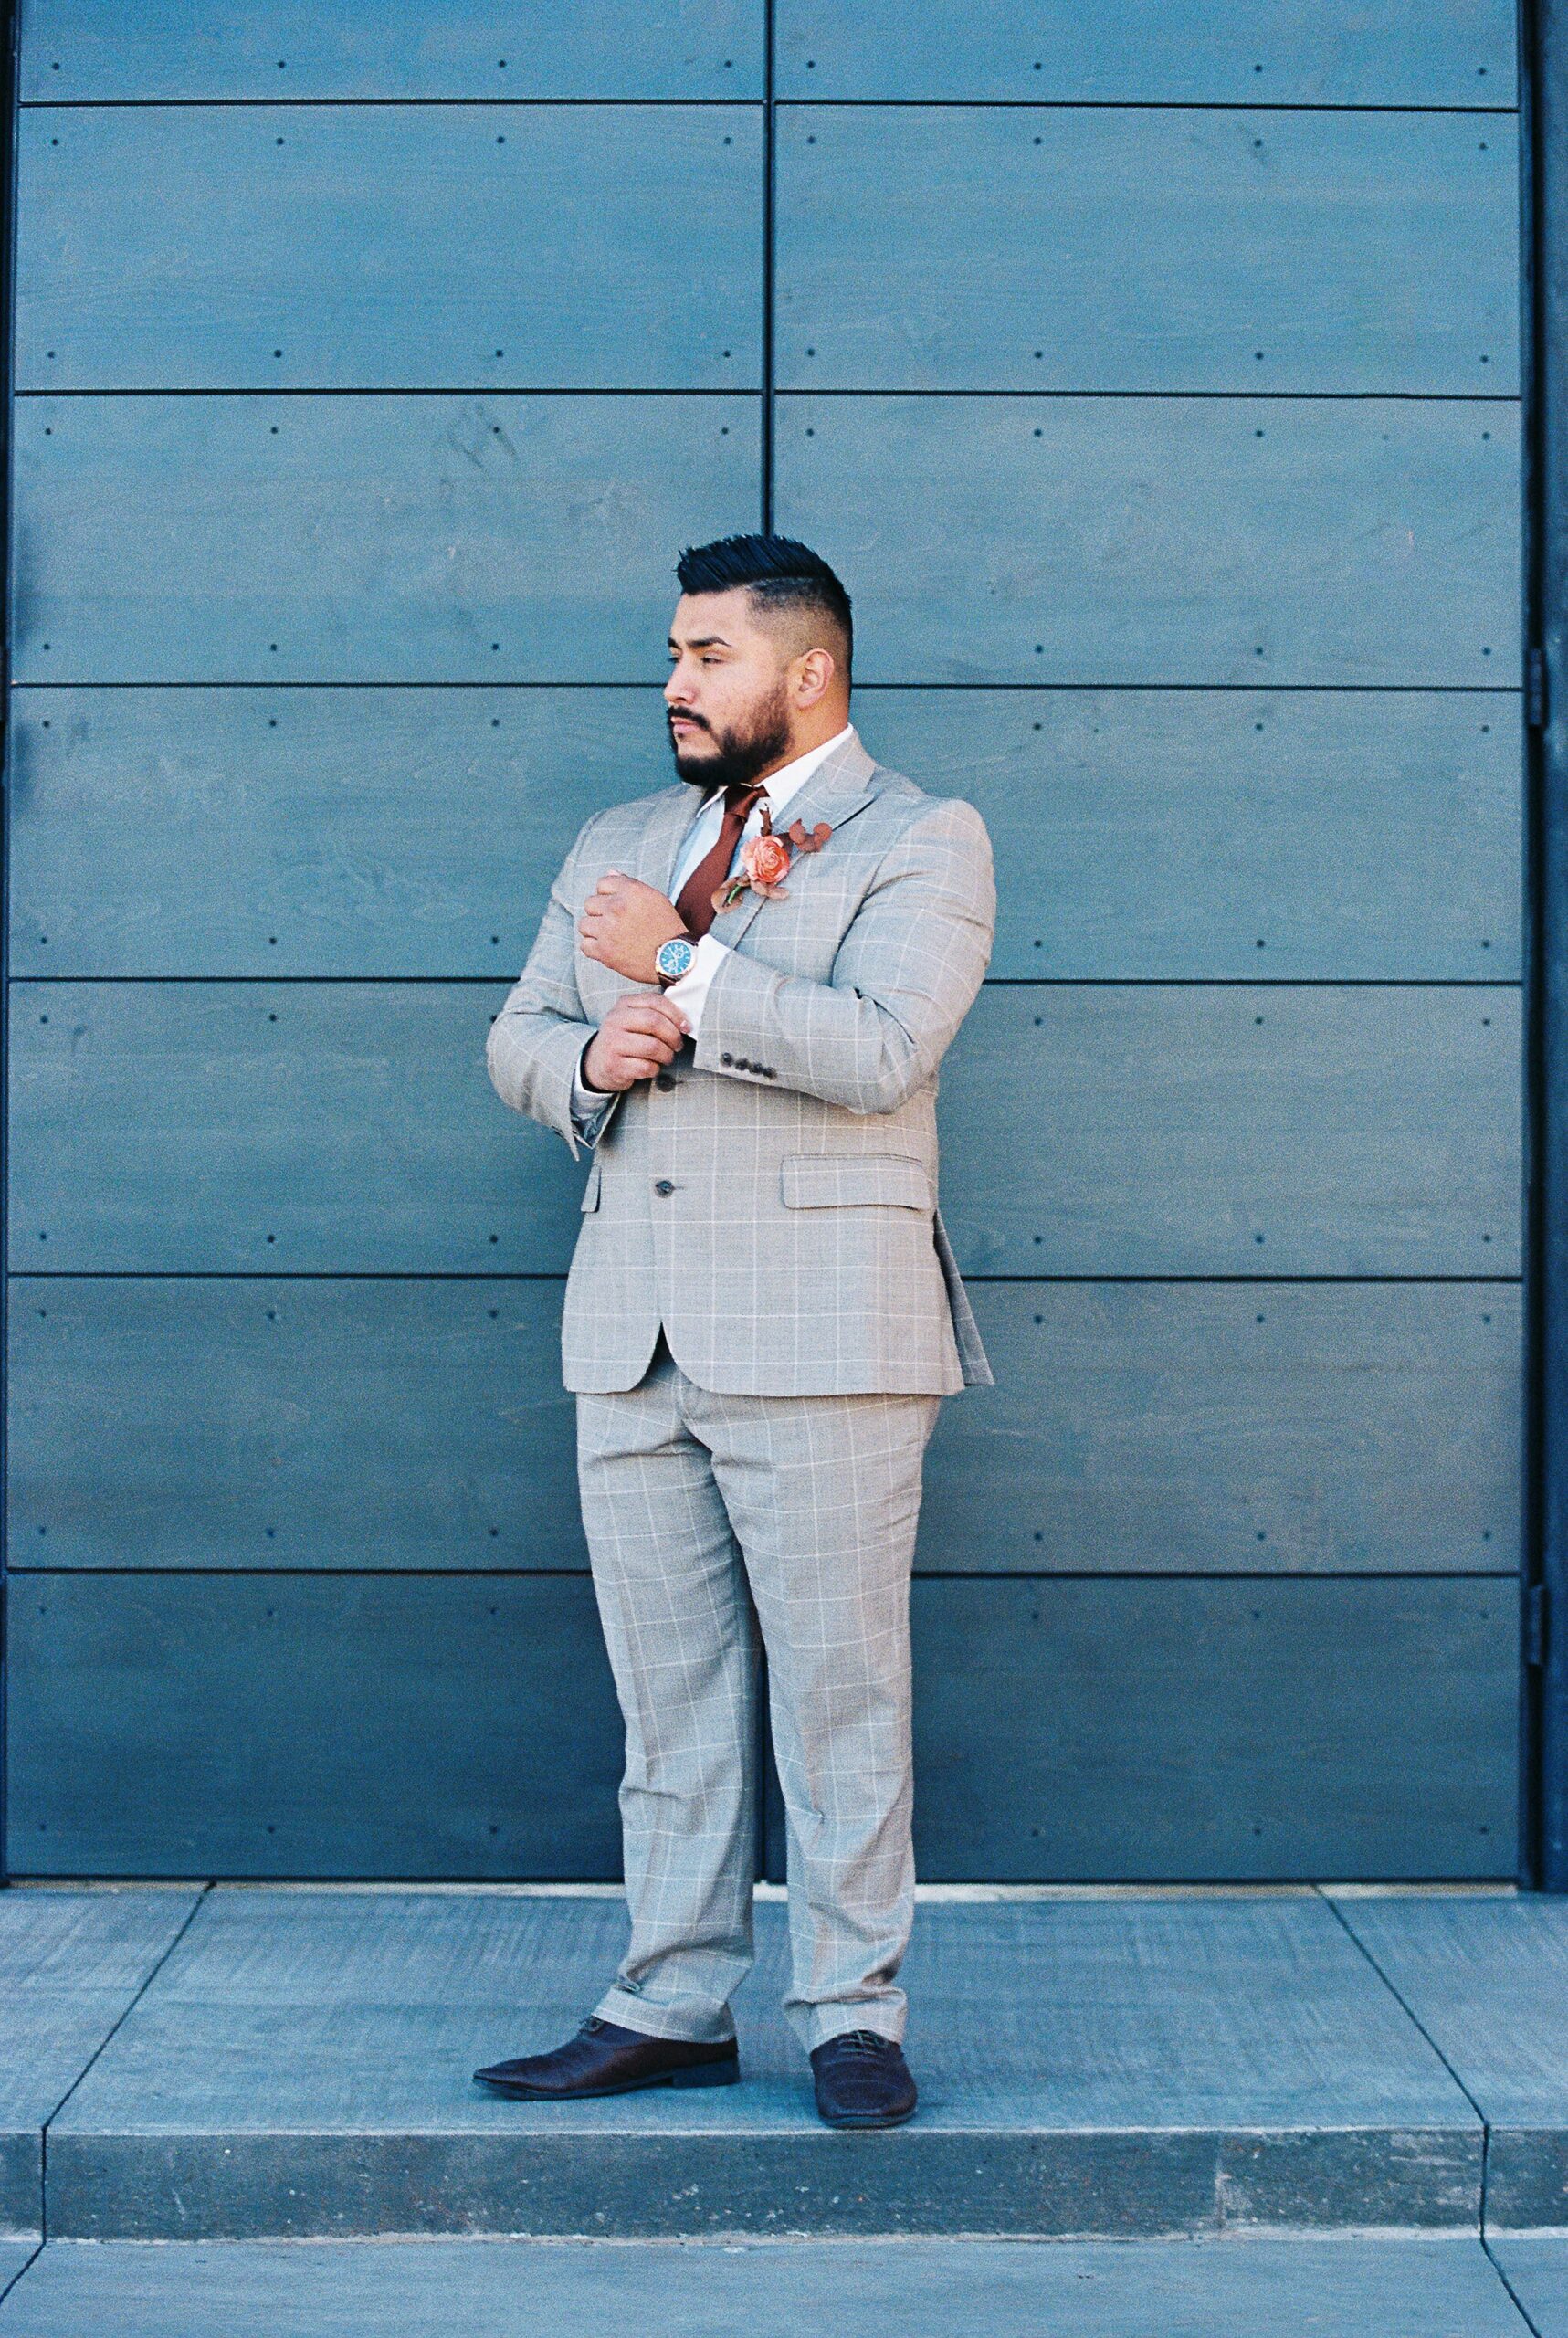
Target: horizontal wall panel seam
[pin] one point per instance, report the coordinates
(741, 390)
(1257, 396)
(540, 1275)
(928, 1575)
(991, 983)
(893, 682)
(1043, 689)
(1088, 1277)
(280, 105)
(1238, 104)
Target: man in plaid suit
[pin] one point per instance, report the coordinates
(738, 1000)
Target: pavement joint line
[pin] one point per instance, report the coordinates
(26, 2266)
(1518, 2306)
(1418, 2023)
(126, 2009)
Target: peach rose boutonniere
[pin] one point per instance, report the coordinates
(766, 860)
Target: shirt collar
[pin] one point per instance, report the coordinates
(781, 783)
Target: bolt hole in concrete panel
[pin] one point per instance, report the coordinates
(401, 534)
(414, 1439)
(1138, 248)
(1371, 1128)
(1286, 821)
(329, 1132)
(1200, 52)
(1389, 1749)
(1377, 831)
(1159, 540)
(155, 236)
(1165, 1427)
(95, 49)
(1151, 1426)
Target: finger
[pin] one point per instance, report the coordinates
(638, 1062)
(647, 1048)
(652, 1014)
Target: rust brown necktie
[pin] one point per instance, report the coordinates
(695, 903)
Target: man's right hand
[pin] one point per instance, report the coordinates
(637, 1039)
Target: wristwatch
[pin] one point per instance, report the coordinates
(674, 958)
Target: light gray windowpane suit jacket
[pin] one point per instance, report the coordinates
(772, 1198)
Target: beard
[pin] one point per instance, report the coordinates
(738, 755)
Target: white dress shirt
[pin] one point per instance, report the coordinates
(589, 1105)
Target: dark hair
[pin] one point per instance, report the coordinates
(777, 570)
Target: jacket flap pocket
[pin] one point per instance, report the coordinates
(590, 1190)
(835, 1180)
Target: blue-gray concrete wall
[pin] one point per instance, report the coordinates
(1152, 373)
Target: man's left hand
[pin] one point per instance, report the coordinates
(624, 922)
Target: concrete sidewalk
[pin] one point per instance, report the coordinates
(1328, 2287)
(266, 2063)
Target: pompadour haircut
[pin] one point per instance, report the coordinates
(780, 574)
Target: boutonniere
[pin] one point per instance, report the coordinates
(766, 860)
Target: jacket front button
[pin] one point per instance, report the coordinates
(662, 1079)
(664, 1186)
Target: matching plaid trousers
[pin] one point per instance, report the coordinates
(698, 1507)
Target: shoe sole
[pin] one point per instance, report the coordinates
(899, 2119)
(715, 2074)
(885, 2119)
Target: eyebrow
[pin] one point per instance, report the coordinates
(702, 641)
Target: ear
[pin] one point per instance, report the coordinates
(812, 674)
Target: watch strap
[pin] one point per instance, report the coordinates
(666, 980)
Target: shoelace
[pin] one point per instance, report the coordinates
(864, 2041)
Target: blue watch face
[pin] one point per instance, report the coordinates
(675, 956)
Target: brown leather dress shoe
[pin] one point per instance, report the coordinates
(604, 2059)
(862, 2080)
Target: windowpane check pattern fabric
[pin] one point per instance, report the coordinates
(690, 1499)
(771, 1199)
(761, 1316)
(589, 1105)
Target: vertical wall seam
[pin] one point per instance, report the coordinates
(761, 1752)
(1544, 188)
(769, 119)
(8, 71)
(1533, 1421)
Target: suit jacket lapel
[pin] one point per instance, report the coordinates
(670, 816)
(835, 792)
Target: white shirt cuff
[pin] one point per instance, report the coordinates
(691, 989)
(589, 1105)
